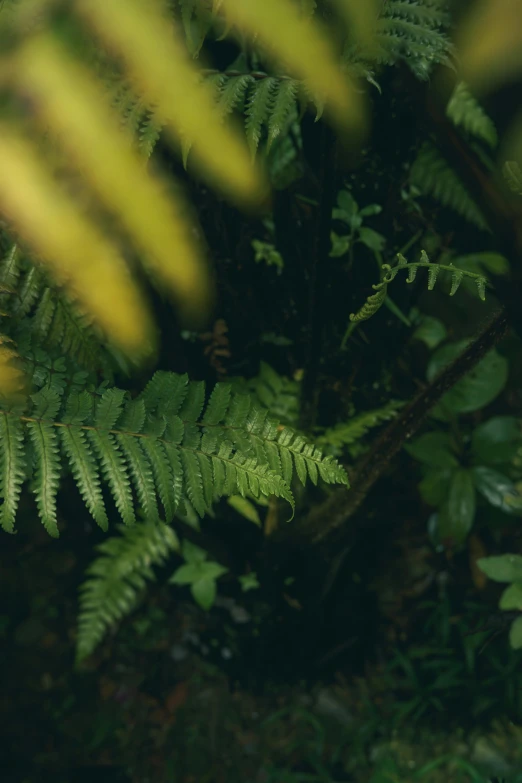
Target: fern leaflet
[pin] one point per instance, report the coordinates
(117, 579)
(432, 176)
(375, 301)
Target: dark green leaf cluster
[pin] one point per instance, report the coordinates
(454, 472)
(166, 445)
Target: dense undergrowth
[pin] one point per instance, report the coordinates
(289, 547)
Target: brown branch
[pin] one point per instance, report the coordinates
(343, 503)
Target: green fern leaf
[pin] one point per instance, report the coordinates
(464, 110)
(283, 108)
(432, 175)
(433, 273)
(218, 404)
(45, 442)
(141, 472)
(347, 433)
(12, 468)
(193, 480)
(372, 304)
(165, 390)
(456, 280)
(513, 175)
(10, 268)
(194, 401)
(232, 93)
(117, 578)
(115, 472)
(258, 110)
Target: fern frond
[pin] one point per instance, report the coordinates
(12, 468)
(374, 302)
(233, 91)
(351, 431)
(432, 176)
(259, 108)
(117, 578)
(283, 106)
(464, 110)
(413, 31)
(166, 444)
(280, 395)
(513, 176)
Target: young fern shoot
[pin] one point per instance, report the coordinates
(389, 273)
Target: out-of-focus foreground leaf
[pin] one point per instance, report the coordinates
(54, 102)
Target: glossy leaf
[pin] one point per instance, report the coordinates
(502, 568)
(434, 487)
(479, 387)
(512, 597)
(246, 508)
(204, 592)
(496, 440)
(434, 449)
(515, 634)
(430, 331)
(461, 505)
(496, 488)
(371, 239)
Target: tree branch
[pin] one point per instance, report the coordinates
(343, 503)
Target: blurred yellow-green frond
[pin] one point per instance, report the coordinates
(70, 167)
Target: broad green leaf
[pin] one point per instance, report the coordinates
(249, 582)
(479, 387)
(371, 209)
(430, 331)
(512, 597)
(372, 239)
(502, 568)
(186, 574)
(434, 449)
(347, 205)
(496, 488)
(340, 245)
(434, 487)
(515, 634)
(193, 553)
(496, 440)
(212, 570)
(246, 508)
(461, 505)
(204, 592)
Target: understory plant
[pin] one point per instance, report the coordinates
(259, 409)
